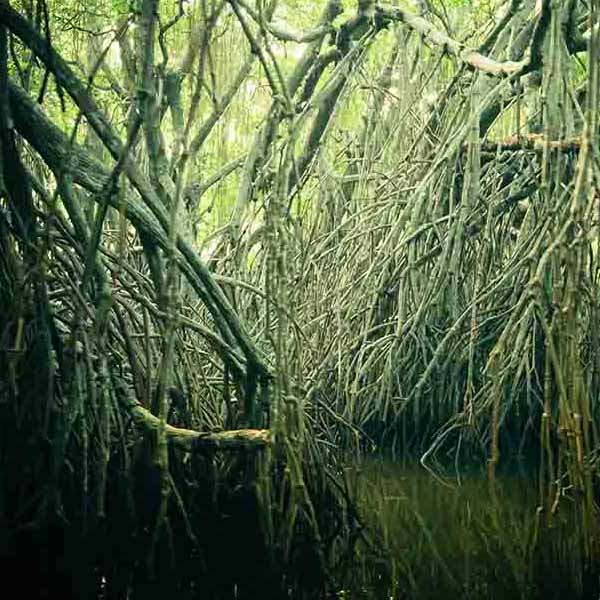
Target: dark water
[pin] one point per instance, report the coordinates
(449, 537)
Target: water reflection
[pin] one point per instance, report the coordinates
(449, 537)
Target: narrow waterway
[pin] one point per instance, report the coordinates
(447, 536)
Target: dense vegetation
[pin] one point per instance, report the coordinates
(241, 239)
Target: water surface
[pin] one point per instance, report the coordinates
(461, 537)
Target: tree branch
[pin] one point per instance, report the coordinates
(469, 56)
(192, 441)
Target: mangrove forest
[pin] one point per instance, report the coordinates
(300, 299)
